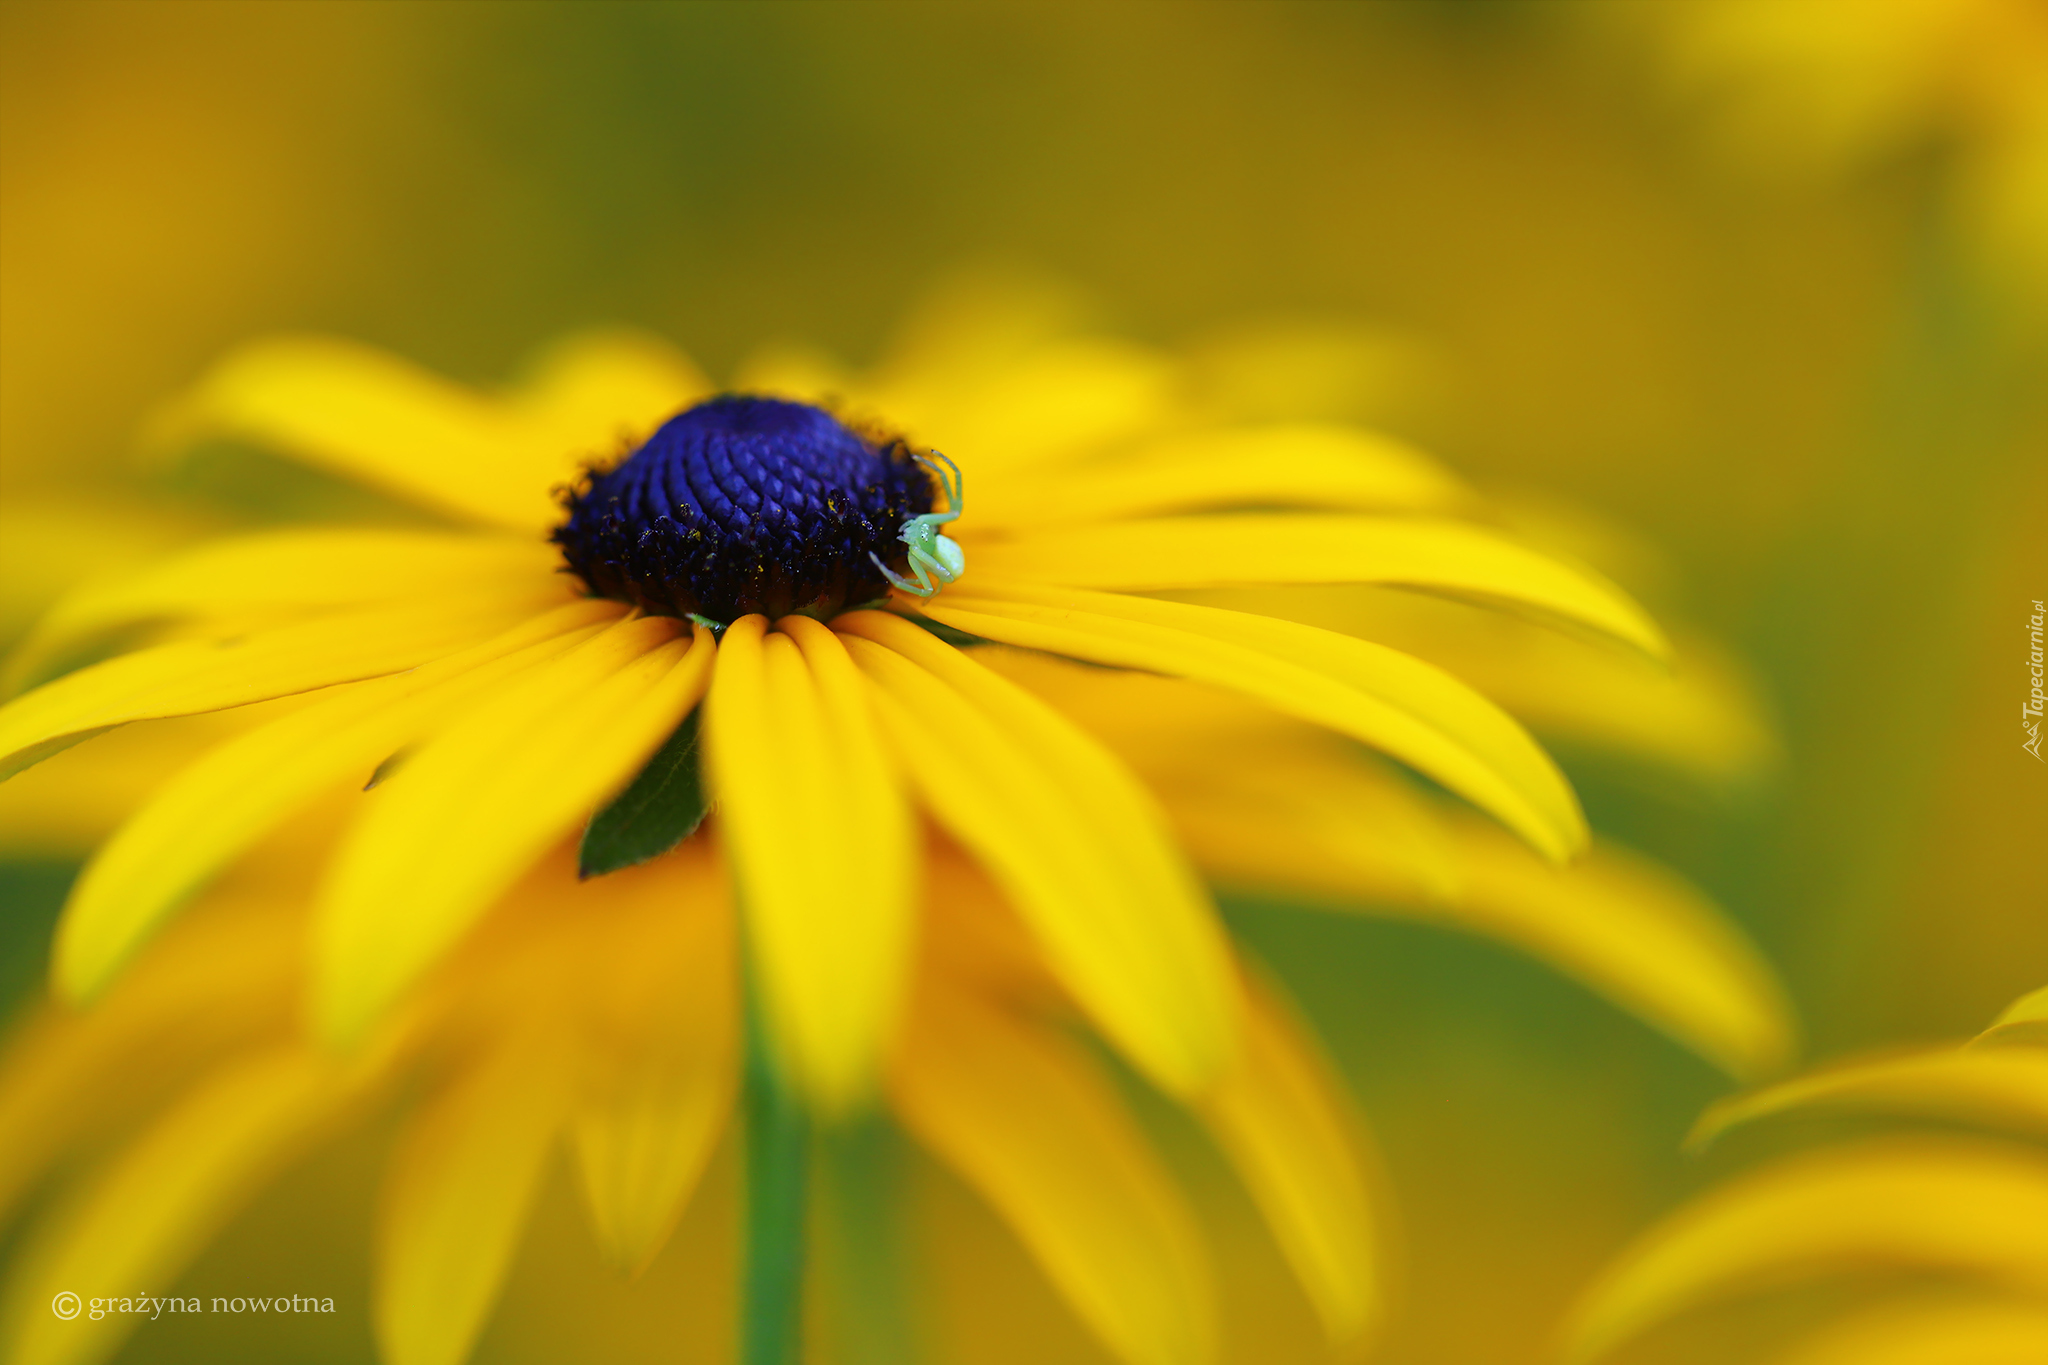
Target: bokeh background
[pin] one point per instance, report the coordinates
(1803, 375)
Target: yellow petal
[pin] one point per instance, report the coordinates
(1417, 713)
(819, 835)
(1303, 818)
(56, 536)
(247, 577)
(1292, 819)
(1144, 716)
(62, 810)
(479, 804)
(862, 955)
(215, 809)
(1074, 841)
(1615, 923)
(1995, 1087)
(820, 844)
(163, 1198)
(1700, 716)
(603, 392)
(1951, 1208)
(1250, 549)
(1282, 1117)
(1027, 1120)
(666, 1061)
(456, 1196)
(2025, 1020)
(371, 416)
(1049, 404)
(1320, 465)
(210, 675)
(1633, 932)
(1967, 1332)
(224, 979)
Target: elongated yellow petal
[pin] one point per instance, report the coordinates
(1617, 924)
(1075, 842)
(1635, 933)
(1302, 818)
(1025, 1117)
(371, 416)
(660, 1087)
(1944, 1331)
(1944, 1207)
(62, 811)
(1417, 713)
(456, 1196)
(1700, 715)
(285, 571)
(1250, 549)
(1041, 405)
(863, 956)
(1306, 464)
(1997, 1087)
(602, 392)
(1282, 1117)
(1295, 820)
(2025, 1019)
(216, 808)
(50, 536)
(819, 835)
(205, 675)
(374, 417)
(160, 1201)
(1143, 716)
(476, 806)
(220, 981)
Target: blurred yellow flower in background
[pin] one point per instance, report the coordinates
(1068, 816)
(1942, 1241)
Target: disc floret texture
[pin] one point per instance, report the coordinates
(745, 504)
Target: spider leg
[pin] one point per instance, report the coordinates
(929, 562)
(949, 477)
(922, 588)
(926, 567)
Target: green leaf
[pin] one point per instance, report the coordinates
(660, 808)
(952, 635)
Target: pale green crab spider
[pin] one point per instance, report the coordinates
(931, 555)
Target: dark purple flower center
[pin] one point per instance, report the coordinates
(741, 505)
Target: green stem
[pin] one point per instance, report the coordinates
(860, 1165)
(778, 1142)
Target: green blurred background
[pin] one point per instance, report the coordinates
(1823, 422)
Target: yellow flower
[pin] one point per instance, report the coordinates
(945, 847)
(528, 702)
(1966, 1215)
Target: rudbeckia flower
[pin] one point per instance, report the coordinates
(1948, 1234)
(941, 847)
